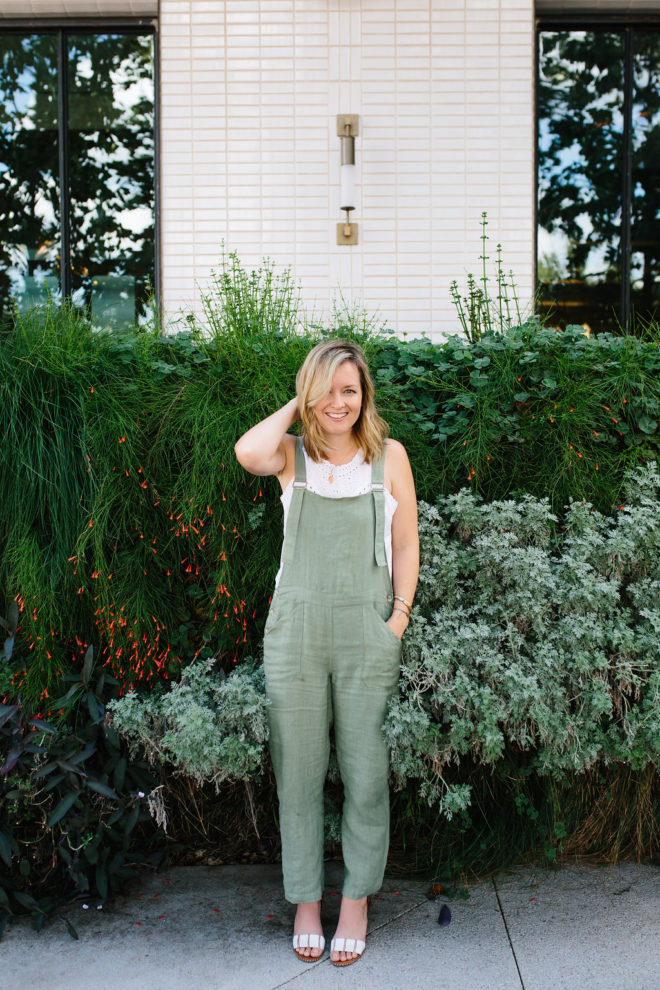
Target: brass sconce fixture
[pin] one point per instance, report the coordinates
(347, 129)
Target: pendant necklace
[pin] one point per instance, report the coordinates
(332, 471)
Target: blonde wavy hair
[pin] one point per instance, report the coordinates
(313, 382)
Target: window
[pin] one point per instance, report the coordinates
(599, 175)
(77, 209)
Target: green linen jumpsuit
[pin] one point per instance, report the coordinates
(329, 656)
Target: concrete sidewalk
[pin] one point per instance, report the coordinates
(229, 928)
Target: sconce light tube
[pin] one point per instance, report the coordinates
(347, 201)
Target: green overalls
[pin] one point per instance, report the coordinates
(329, 655)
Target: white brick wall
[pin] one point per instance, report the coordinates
(249, 94)
(250, 90)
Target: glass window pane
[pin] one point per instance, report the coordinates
(111, 147)
(580, 138)
(29, 170)
(645, 233)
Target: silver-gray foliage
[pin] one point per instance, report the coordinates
(528, 635)
(209, 727)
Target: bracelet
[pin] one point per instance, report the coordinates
(405, 602)
(397, 609)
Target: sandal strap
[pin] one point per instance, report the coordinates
(312, 941)
(348, 945)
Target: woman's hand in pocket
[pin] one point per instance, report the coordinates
(398, 622)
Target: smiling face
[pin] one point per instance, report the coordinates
(338, 411)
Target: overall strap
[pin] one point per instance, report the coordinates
(378, 491)
(293, 516)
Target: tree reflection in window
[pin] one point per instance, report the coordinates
(598, 195)
(29, 171)
(645, 227)
(108, 133)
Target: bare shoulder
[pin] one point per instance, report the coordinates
(395, 451)
(398, 475)
(396, 458)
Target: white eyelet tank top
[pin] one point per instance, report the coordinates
(349, 479)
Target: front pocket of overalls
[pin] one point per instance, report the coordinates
(382, 650)
(283, 639)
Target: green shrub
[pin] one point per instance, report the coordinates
(529, 637)
(70, 802)
(531, 411)
(210, 727)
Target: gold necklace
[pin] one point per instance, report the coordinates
(333, 466)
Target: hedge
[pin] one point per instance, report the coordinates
(128, 524)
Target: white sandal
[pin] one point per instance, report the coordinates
(347, 945)
(308, 942)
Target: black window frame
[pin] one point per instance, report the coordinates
(626, 24)
(61, 27)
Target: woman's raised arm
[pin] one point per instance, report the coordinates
(264, 449)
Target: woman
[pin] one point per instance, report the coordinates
(332, 642)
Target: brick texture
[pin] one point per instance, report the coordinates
(250, 90)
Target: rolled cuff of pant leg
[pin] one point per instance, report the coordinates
(357, 893)
(303, 897)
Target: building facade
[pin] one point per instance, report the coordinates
(247, 152)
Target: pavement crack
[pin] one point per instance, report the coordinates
(396, 917)
(508, 934)
(326, 959)
(301, 975)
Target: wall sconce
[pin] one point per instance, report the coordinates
(347, 129)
